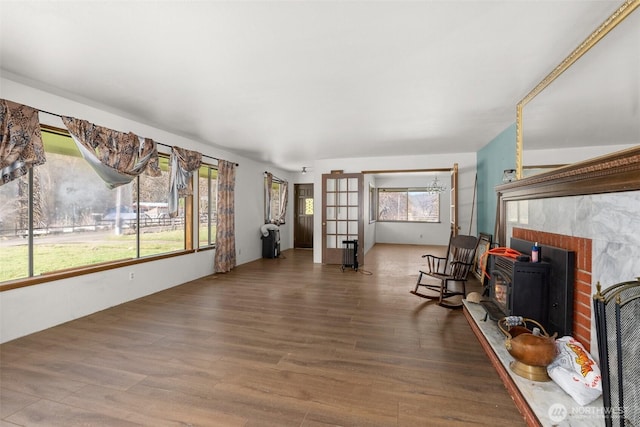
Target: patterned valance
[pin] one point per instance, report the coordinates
(183, 163)
(21, 145)
(117, 157)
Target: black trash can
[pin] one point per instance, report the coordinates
(271, 244)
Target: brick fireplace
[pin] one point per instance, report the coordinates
(582, 304)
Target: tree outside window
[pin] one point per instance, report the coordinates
(207, 193)
(77, 221)
(408, 205)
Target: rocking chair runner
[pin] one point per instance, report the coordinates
(454, 267)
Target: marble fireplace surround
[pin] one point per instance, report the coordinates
(590, 207)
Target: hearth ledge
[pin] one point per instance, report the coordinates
(541, 403)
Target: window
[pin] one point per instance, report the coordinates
(275, 202)
(308, 206)
(207, 193)
(77, 221)
(276, 191)
(159, 233)
(408, 205)
(13, 218)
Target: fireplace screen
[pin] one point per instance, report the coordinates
(617, 314)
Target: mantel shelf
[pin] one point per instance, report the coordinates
(541, 403)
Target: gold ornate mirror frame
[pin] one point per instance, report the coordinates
(609, 24)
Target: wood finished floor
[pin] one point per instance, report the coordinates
(280, 342)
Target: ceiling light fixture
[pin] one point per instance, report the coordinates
(435, 186)
(304, 170)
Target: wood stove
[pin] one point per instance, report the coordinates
(541, 291)
(519, 288)
(561, 285)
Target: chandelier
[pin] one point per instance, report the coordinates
(435, 186)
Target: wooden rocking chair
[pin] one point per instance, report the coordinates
(455, 267)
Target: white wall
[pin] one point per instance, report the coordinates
(466, 169)
(250, 210)
(33, 308)
(416, 233)
(370, 226)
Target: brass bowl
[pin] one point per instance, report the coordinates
(532, 353)
(532, 349)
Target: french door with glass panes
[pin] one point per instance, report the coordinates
(341, 215)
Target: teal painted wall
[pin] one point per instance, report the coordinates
(492, 160)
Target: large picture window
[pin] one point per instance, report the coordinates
(207, 193)
(62, 216)
(408, 205)
(159, 233)
(13, 218)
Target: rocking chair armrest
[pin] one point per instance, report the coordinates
(453, 263)
(435, 264)
(459, 269)
(432, 256)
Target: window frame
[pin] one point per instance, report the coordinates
(407, 191)
(211, 244)
(268, 212)
(31, 279)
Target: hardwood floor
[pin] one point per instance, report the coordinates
(276, 342)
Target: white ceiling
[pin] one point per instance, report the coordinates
(287, 82)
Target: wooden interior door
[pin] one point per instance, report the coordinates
(303, 225)
(342, 196)
(455, 227)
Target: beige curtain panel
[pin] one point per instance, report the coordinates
(21, 145)
(225, 256)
